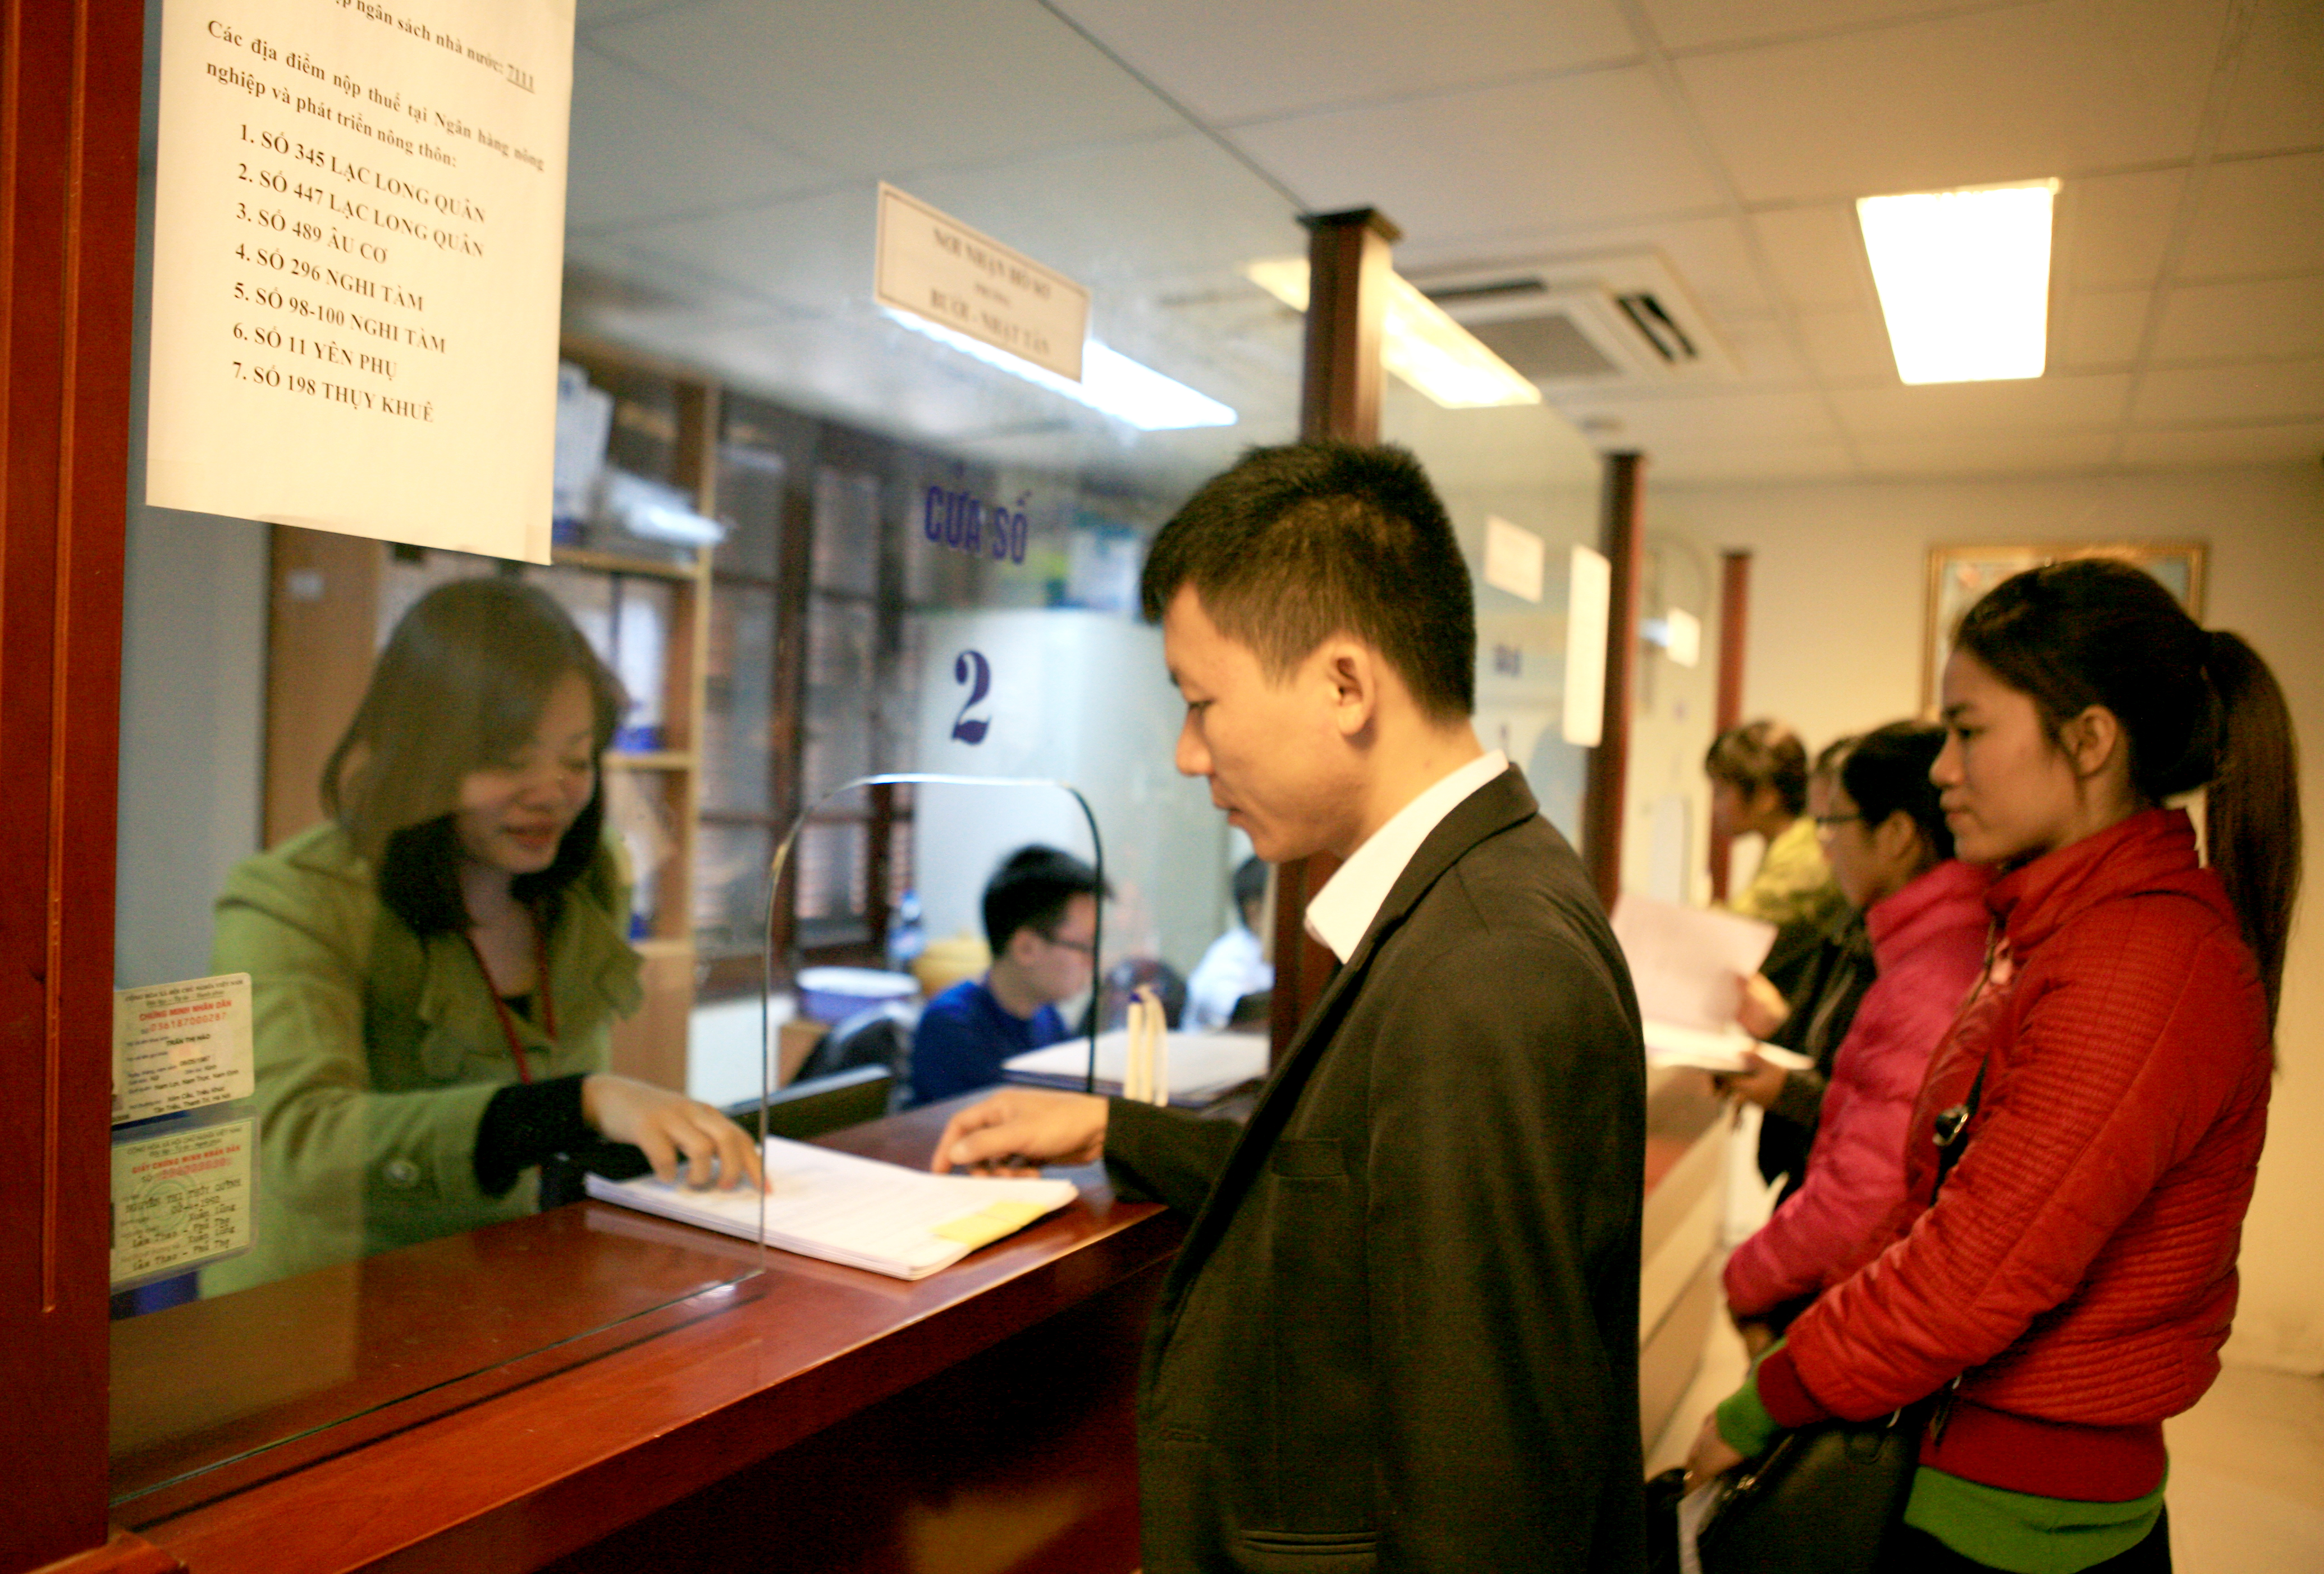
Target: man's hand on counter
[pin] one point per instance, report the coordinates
(1016, 1131)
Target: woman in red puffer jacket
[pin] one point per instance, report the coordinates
(2071, 1283)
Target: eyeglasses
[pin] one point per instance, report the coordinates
(1083, 946)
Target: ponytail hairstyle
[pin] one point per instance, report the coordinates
(2197, 708)
(1887, 772)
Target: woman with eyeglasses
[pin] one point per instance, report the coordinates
(2067, 1285)
(1892, 855)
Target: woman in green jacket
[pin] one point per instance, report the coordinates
(435, 970)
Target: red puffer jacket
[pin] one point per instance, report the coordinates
(1928, 941)
(2079, 1267)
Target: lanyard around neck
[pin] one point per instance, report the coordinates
(499, 1007)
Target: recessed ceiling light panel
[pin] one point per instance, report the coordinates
(1964, 279)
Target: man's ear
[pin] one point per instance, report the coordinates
(1351, 669)
(2093, 741)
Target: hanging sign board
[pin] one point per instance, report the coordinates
(1589, 604)
(938, 269)
(358, 242)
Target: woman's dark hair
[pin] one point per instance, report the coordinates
(1760, 754)
(1887, 772)
(2197, 708)
(458, 689)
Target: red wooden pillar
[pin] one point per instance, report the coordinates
(1734, 621)
(70, 85)
(1348, 267)
(1602, 806)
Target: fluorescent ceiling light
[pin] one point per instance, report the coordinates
(1964, 279)
(1112, 383)
(1418, 342)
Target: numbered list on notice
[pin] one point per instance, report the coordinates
(358, 240)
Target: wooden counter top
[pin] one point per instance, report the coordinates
(655, 1409)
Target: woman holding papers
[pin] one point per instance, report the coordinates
(1892, 855)
(2082, 1151)
(434, 969)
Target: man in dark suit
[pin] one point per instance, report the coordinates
(1401, 1332)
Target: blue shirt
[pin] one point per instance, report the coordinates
(964, 1034)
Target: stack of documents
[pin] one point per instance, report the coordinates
(1688, 965)
(1200, 1066)
(1669, 1045)
(820, 1203)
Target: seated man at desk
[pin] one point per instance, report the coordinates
(1040, 915)
(1401, 1332)
(1236, 963)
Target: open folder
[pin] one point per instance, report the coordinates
(821, 1203)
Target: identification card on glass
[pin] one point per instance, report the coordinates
(180, 1046)
(181, 1199)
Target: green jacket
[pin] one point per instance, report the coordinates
(377, 1052)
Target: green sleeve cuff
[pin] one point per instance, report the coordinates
(1743, 1420)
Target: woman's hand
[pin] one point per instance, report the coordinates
(1710, 1456)
(670, 1126)
(1763, 1009)
(1759, 1081)
(1757, 1337)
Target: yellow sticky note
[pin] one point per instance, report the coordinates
(991, 1222)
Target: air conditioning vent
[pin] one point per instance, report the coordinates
(1584, 324)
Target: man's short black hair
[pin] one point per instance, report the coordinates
(1296, 544)
(1030, 889)
(1250, 883)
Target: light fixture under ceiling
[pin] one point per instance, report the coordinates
(1418, 342)
(1112, 383)
(1964, 279)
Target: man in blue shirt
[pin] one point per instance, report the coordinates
(1040, 915)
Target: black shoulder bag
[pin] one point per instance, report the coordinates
(1826, 1498)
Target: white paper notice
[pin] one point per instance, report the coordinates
(181, 1199)
(1589, 599)
(1513, 558)
(358, 246)
(936, 267)
(180, 1046)
(1688, 964)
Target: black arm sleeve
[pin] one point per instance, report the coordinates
(1163, 1156)
(525, 1123)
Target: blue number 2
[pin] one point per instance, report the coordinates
(971, 667)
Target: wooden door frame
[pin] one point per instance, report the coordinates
(71, 76)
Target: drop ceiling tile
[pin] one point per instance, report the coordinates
(641, 151)
(2112, 229)
(2253, 391)
(1848, 346)
(2271, 317)
(2098, 328)
(1818, 256)
(878, 90)
(1572, 152)
(1231, 63)
(2288, 442)
(2025, 405)
(2258, 215)
(1666, 425)
(1764, 350)
(1690, 25)
(1987, 96)
(1986, 453)
(587, 13)
(812, 253)
(2278, 97)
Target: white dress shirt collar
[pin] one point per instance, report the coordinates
(1339, 914)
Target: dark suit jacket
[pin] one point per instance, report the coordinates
(1402, 1333)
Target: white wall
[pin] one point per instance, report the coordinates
(1838, 592)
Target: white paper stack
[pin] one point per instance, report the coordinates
(820, 1203)
(1670, 1044)
(1198, 1066)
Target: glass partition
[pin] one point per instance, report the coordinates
(800, 541)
